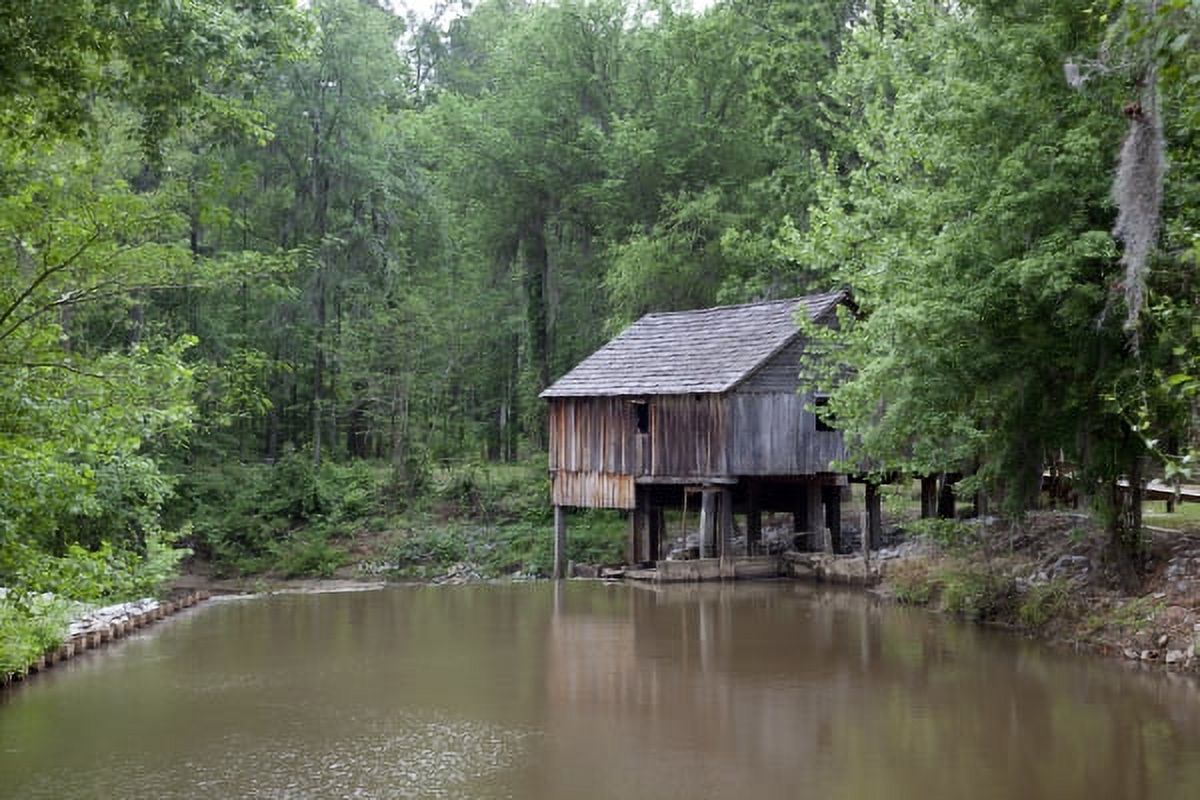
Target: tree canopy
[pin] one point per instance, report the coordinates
(243, 232)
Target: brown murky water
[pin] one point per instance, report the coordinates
(592, 691)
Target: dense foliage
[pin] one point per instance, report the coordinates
(271, 271)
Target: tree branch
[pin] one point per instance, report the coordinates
(46, 275)
(55, 365)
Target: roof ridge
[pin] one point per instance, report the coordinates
(755, 303)
(700, 350)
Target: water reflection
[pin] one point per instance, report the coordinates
(593, 691)
(820, 691)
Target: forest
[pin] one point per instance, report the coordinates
(272, 272)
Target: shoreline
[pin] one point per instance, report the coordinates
(1029, 579)
(97, 627)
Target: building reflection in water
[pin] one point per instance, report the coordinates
(790, 682)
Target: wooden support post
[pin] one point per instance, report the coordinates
(560, 542)
(945, 497)
(981, 504)
(873, 533)
(658, 525)
(726, 523)
(753, 518)
(800, 514)
(708, 523)
(816, 517)
(928, 496)
(639, 534)
(831, 496)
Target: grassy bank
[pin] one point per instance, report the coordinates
(1048, 576)
(294, 520)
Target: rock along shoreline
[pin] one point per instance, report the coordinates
(98, 627)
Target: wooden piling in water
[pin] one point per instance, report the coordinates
(560, 542)
(83, 641)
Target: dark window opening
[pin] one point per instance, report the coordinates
(641, 415)
(825, 417)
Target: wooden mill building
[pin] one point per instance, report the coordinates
(699, 410)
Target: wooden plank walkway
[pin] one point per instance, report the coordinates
(1153, 489)
(1161, 490)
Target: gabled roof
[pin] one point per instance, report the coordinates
(689, 352)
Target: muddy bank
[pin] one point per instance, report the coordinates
(1049, 578)
(266, 585)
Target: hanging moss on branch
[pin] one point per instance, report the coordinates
(1138, 191)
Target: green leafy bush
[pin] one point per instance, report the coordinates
(308, 554)
(107, 573)
(975, 593)
(1043, 603)
(246, 518)
(497, 492)
(433, 546)
(29, 626)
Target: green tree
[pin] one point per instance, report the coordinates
(968, 208)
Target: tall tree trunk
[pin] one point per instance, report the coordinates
(537, 274)
(1125, 523)
(318, 369)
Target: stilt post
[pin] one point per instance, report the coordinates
(928, 496)
(639, 523)
(560, 542)
(726, 523)
(873, 533)
(831, 497)
(753, 517)
(945, 496)
(657, 530)
(708, 523)
(816, 517)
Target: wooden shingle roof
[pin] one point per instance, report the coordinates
(690, 352)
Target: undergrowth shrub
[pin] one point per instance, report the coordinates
(948, 533)
(1042, 603)
(497, 492)
(522, 547)
(248, 518)
(105, 574)
(913, 583)
(308, 554)
(975, 593)
(29, 626)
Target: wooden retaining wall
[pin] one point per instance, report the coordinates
(83, 641)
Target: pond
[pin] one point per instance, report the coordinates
(587, 690)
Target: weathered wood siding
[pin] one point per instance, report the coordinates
(595, 451)
(688, 435)
(781, 373)
(594, 434)
(593, 490)
(774, 434)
